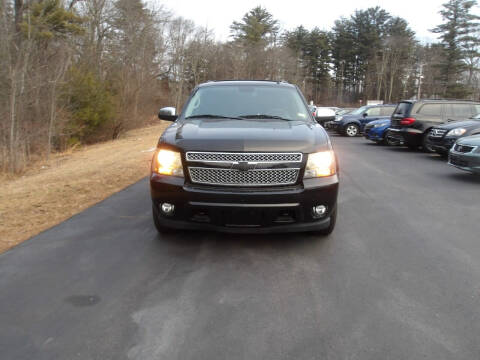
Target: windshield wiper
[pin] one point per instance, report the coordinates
(211, 116)
(264, 116)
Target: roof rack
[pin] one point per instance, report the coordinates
(446, 99)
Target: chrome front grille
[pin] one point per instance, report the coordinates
(194, 156)
(231, 177)
(438, 132)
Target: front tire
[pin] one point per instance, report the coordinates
(161, 229)
(426, 144)
(333, 221)
(352, 130)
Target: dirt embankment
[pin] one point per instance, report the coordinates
(68, 183)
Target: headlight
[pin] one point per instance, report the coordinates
(167, 162)
(338, 118)
(320, 164)
(457, 132)
(380, 125)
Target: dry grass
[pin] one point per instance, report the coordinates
(71, 182)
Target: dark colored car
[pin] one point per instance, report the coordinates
(465, 154)
(441, 138)
(344, 111)
(412, 120)
(244, 156)
(352, 124)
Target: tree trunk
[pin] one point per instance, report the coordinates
(13, 117)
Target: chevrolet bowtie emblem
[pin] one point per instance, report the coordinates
(244, 166)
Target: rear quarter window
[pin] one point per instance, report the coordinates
(403, 108)
(476, 109)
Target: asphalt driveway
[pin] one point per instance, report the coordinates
(398, 279)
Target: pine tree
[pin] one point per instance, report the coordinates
(257, 26)
(457, 43)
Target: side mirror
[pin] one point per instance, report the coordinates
(168, 114)
(365, 115)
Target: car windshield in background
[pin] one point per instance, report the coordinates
(247, 102)
(359, 111)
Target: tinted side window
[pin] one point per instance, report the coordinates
(459, 111)
(431, 110)
(373, 111)
(403, 108)
(386, 111)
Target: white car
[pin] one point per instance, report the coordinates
(323, 115)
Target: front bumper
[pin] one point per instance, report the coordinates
(333, 125)
(465, 161)
(240, 210)
(407, 136)
(374, 134)
(441, 145)
(323, 120)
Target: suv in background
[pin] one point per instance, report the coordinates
(352, 124)
(441, 138)
(412, 120)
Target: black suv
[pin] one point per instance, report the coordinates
(244, 156)
(412, 120)
(443, 137)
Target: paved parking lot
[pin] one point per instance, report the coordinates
(398, 279)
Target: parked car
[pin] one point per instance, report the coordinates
(244, 156)
(412, 120)
(465, 154)
(352, 124)
(377, 131)
(324, 115)
(441, 138)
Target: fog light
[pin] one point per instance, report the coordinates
(167, 208)
(319, 211)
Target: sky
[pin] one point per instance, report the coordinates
(218, 15)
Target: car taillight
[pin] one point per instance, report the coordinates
(407, 121)
(314, 114)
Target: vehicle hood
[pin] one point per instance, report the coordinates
(347, 117)
(470, 140)
(245, 135)
(467, 124)
(381, 121)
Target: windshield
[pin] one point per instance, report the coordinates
(239, 101)
(359, 111)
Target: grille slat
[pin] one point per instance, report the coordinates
(437, 132)
(231, 177)
(243, 157)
